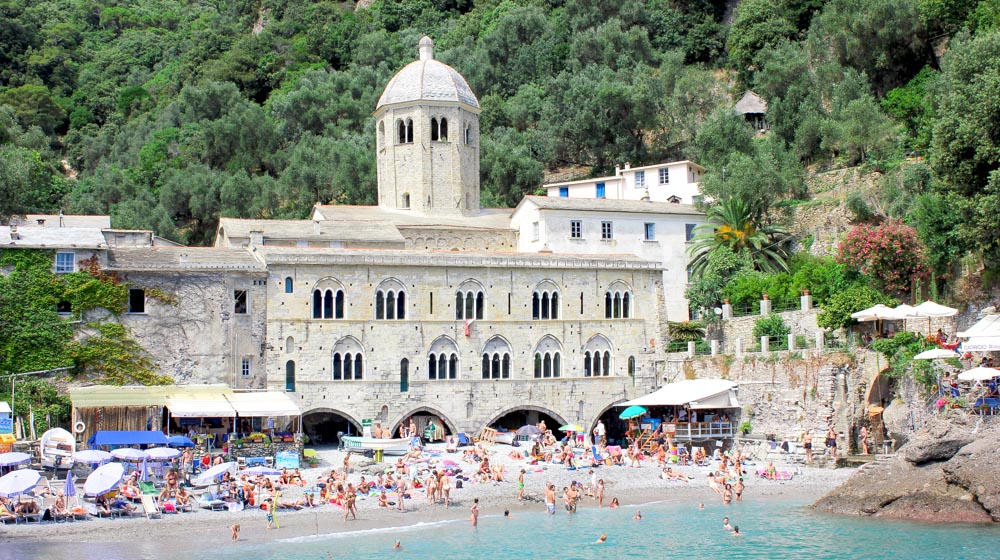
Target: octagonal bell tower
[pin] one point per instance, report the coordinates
(427, 127)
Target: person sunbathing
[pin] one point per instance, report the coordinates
(383, 499)
(771, 473)
(182, 496)
(6, 510)
(58, 509)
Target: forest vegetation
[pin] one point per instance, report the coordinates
(168, 115)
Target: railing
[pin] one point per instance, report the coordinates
(696, 431)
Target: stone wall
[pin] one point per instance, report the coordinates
(781, 394)
(741, 328)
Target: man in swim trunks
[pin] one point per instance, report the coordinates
(550, 498)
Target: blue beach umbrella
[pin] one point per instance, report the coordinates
(70, 488)
(632, 412)
(179, 441)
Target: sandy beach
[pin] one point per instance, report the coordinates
(632, 486)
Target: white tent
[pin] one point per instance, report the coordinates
(696, 393)
(904, 311)
(217, 407)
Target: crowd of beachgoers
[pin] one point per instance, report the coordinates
(432, 483)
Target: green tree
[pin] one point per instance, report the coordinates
(757, 24)
(737, 225)
(836, 311)
(34, 106)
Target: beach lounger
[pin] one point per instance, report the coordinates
(597, 456)
(206, 501)
(150, 507)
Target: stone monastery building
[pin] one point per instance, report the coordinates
(425, 305)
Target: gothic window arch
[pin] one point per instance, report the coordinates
(290, 376)
(328, 299)
(390, 300)
(496, 359)
(597, 360)
(400, 131)
(348, 360)
(442, 359)
(618, 301)
(439, 129)
(289, 285)
(409, 131)
(548, 358)
(434, 129)
(289, 345)
(545, 301)
(470, 301)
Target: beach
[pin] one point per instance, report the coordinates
(632, 486)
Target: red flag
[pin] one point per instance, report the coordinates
(468, 327)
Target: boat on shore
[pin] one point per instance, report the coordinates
(56, 448)
(398, 446)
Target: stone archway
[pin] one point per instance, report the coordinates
(614, 427)
(523, 414)
(422, 415)
(323, 425)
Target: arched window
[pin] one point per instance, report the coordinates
(597, 357)
(348, 360)
(470, 301)
(401, 132)
(547, 355)
(468, 135)
(545, 302)
(617, 301)
(443, 135)
(328, 300)
(289, 345)
(442, 359)
(390, 301)
(404, 375)
(406, 200)
(289, 285)
(631, 366)
(496, 359)
(290, 376)
(409, 131)
(434, 130)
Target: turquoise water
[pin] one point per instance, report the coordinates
(773, 529)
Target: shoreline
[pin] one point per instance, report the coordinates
(632, 486)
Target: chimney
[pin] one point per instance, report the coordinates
(628, 165)
(14, 235)
(426, 48)
(316, 227)
(62, 221)
(618, 170)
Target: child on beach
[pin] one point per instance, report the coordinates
(520, 486)
(236, 531)
(475, 512)
(600, 492)
(270, 513)
(614, 503)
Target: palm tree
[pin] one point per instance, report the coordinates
(739, 226)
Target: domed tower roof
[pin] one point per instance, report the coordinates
(427, 80)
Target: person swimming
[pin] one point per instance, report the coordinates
(638, 515)
(603, 538)
(726, 525)
(736, 531)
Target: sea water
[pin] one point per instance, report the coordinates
(772, 529)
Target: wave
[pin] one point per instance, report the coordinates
(374, 531)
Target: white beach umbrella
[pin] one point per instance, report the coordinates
(874, 313)
(211, 474)
(92, 456)
(978, 374)
(13, 458)
(18, 482)
(130, 454)
(904, 311)
(104, 479)
(931, 309)
(162, 453)
(936, 354)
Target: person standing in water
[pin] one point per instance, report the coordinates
(475, 512)
(550, 498)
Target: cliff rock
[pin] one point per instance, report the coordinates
(948, 472)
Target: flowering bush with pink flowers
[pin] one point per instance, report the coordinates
(889, 253)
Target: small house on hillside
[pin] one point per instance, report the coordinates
(754, 109)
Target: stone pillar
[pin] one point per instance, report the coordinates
(820, 340)
(690, 349)
(765, 307)
(806, 302)
(765, 344)
(727, 311)
(791, 342)
(738, 346)
(715, 347)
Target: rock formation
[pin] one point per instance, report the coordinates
(948, 472)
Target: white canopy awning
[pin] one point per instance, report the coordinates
(200, 408)
(875, 313)
(932, 309)
(987, 326)
(689, 392)
(722, 400)
(982, 344)
(263, 404)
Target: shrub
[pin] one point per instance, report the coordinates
(771, 326)
(890, 253)
(686, 331)
(837, 309)
(745, 427)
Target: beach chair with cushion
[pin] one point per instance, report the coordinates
(209, 501)
(598, 458)
(148, 488)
